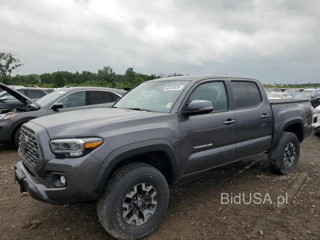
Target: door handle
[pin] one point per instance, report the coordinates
(265, 116)
(229, 122)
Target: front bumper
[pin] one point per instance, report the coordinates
(29, 184)
(80, 174)
(40, 175)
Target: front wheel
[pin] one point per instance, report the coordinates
(134, 201)
(285, 157)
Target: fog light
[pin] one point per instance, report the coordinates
(63, 180)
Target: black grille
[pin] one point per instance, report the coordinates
(28, 147)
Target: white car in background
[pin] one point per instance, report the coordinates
(278, 95)
(316, 120)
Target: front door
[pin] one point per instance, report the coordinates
(208, 140)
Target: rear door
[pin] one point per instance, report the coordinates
(254, 118)
(208, 140)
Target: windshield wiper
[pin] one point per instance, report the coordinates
(139, 109)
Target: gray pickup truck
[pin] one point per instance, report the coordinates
(163, 130)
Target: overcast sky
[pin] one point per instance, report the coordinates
(274, 40)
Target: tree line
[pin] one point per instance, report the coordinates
(105, 77)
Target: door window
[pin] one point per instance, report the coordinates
(214, 92)
(76, 99)
(99, 97)
(21, 91)
(246, 94)
(35, 94)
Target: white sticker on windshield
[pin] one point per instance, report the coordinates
(173, 88)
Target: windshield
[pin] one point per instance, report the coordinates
(157, 96)
(274, 94)
(47, 99)
(304, 95)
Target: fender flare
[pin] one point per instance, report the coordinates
(122, 153)
(279, 130)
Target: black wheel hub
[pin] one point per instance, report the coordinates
(139, 204)
(289, 154)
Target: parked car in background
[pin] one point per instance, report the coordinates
(278, 95)
(8, 101)
(311, 90)
(61, 100)
(313, 96)
(293, 91)
(161, 131)
(274, 90)
(316, 120)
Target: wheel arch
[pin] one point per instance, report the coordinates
(293, 125)
(157, 153)
(16, 125)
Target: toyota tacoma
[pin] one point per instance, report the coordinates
(125, 157)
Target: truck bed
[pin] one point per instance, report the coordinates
(291, 110)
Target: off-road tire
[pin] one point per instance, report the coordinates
(109, 205)
(276, 156)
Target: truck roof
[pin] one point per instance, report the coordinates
(199, 77)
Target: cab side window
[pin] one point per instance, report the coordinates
(246, 94)
(76, 99)
(214, 92)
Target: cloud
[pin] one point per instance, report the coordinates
(276, 40)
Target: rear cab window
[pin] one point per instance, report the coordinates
(246, 94)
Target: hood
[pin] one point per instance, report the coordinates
(98, 122)
(22, 98)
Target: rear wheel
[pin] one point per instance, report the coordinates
(133, 202)
(285, 157)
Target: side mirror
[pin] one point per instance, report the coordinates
(3, 99)
(199, 106)
(57, 106)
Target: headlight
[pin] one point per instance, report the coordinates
(7, 116)
(74, 147)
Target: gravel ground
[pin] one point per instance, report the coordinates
(195, 210)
